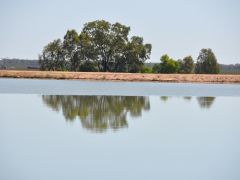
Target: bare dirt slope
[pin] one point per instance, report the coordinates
(200, 78)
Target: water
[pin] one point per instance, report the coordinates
(50, 136)
(77, 87)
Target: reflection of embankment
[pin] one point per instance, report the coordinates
(204, 102)
(98, 113)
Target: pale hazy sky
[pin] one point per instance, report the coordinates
(176, 27)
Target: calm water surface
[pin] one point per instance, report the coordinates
(78, 87)
(44, 136)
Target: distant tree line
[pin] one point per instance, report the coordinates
(229, 69)
(100, 46)
(105, 47)
(19, 64)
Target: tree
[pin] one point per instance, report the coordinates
(136, 53)
(100, 46)
(52, 58)
(146, 69)
(168, 65)
(156, 68)
(86, 55)
(207, 62)
(108, 41)
(186, 65)
(70, 49)
(88, 66)
(114, 52)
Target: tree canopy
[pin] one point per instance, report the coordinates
(186, 65)
(167, 65)
(52, 57)
(105, 47)
(207, 62)
(100, 46)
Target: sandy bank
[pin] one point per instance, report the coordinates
(199, 78)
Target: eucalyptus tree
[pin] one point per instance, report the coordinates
(100, 46)
(207, 62)
(70, 49)
(136, 54)
(108, 43)
(186, 65)
(86, 54)
(52, 57)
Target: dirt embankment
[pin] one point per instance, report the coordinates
(199, 78)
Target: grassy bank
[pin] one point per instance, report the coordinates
(200, 78)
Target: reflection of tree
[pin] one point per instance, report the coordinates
(187, 98)
(205, 102)
(164, 98)
(98, 113)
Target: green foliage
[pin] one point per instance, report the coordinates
(70, 48)
(107, 41)
(88, 66)
(156, 68)
(186, 65)
(52, 58)
(101, 46)
(146, 69)
(168, 65)
(207, 63)
(105, 47)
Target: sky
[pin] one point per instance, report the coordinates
(175, 27)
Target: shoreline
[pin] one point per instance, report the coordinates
(110, 76)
